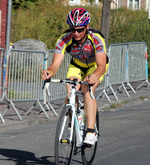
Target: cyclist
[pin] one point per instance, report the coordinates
(89, 61)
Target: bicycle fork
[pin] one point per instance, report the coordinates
(70, 108)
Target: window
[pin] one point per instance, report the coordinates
(134, 4)
(130, 4)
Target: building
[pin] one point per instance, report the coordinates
(3, 23)
(78, 2)
(131, 4)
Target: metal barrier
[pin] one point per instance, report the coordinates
(54, 91)
(137, 62)
(117, 67)
(58, 91)
(21, 81)
(128, 63)
(24, 78)
(2, 78)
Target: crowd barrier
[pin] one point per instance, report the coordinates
(58, 91)
(128, 63)
(117, 67)
(2, 55)
(137, 62)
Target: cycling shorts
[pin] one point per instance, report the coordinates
(81, 72)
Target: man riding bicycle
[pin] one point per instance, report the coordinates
(89, 62)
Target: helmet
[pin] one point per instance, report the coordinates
(78, 17)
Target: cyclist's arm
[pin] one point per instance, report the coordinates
(53, 68)
(101, 67)
(101, 64)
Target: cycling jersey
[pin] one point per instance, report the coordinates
(84, 55)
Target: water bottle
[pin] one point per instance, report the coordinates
(82, 122)
(79, 116)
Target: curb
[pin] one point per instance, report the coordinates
(124, 103)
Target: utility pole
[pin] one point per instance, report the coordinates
(106, 19)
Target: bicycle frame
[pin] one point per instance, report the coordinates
(72, 107)
(74, 121)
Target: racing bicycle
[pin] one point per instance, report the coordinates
(66, 148)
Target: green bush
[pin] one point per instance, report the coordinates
(45, 22)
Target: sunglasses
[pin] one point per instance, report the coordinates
(78, 30)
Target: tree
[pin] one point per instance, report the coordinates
(106, 19)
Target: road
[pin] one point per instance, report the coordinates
(125, 140)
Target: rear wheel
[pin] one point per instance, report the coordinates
(88, 152)
(63, 148)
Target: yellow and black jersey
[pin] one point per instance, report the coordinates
(83, 56)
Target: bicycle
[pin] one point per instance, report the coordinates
(65, 147)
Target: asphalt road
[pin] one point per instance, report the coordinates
(125, 140)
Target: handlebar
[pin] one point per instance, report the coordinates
(73, 82)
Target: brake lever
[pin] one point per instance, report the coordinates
(45, 81)
(91, 92)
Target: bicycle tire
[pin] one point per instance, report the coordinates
(63, 150)
(88, 152)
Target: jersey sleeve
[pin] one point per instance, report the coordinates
(99, 43)
(63, 42)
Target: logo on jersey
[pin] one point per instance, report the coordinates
(57, 48)
(99, 47)
(96, 41)
(88, 48)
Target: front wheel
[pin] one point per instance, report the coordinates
(63, 149)
(88, 152)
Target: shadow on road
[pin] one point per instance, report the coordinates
(23, 157)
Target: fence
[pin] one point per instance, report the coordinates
(58, 90)
(23, 78)
(138, 64)
(2, 55)
(2, 78)
(117, 67)
(128, 63)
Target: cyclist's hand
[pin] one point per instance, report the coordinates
(46, 75)
(92, 79)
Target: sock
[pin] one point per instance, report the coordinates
(90, 130)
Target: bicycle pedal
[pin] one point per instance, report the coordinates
(65, 141)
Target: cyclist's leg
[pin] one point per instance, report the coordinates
(90, 105)
(88, 152)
